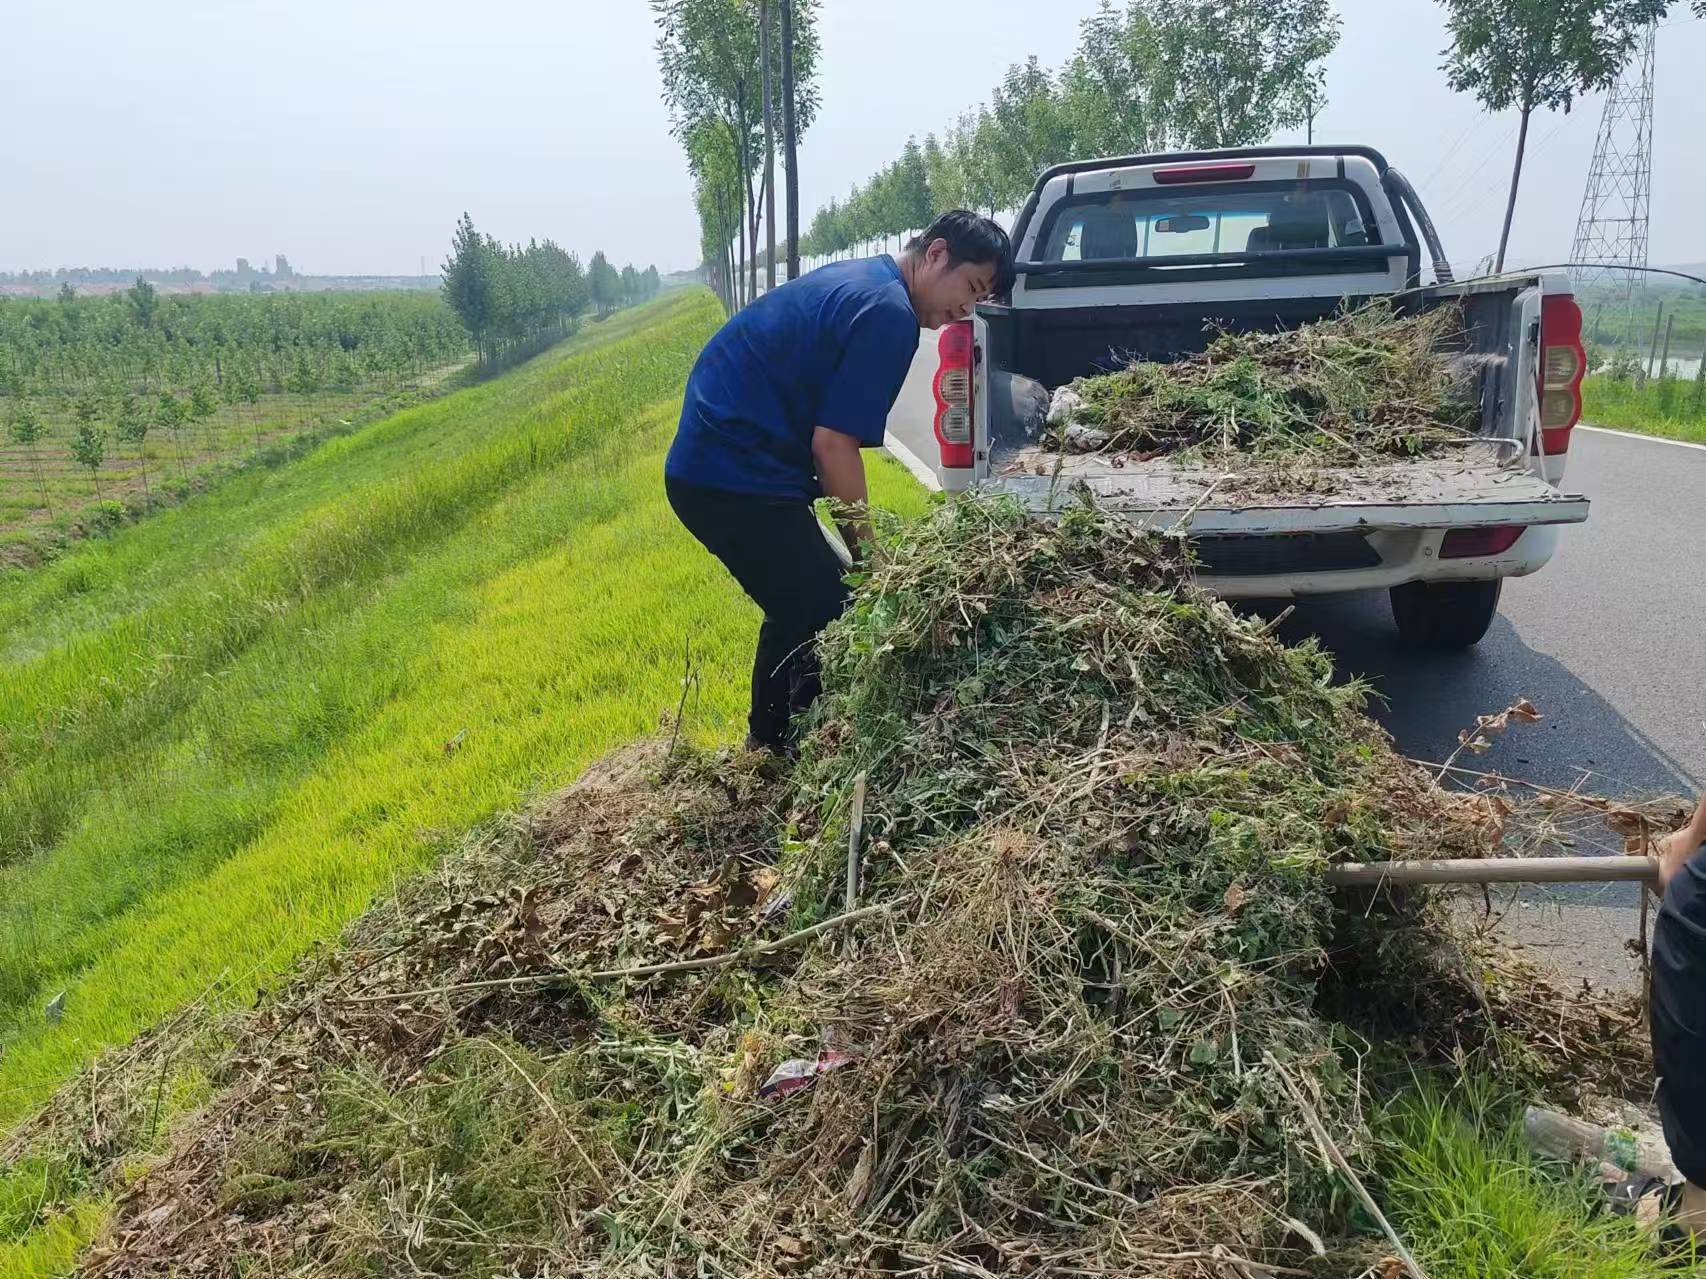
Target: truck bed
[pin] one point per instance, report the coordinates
(1473, 488)
(1095, 290)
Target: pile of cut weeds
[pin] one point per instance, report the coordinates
(1061, 1023)
(1366, 385)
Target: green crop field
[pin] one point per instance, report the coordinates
(164, 390)
(225, 729)
(1611, 322)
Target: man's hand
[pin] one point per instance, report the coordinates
(1676, 849)
(1674, 852)
(841, 472)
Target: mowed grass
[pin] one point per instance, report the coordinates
(224, 731)
(1671, 407)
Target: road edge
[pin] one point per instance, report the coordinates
(1637, 435)
(921, 470)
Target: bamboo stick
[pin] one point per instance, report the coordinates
(1496, 870)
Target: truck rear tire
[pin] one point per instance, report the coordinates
(1445, 615)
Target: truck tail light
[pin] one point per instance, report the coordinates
(1204, 173)
(1474, 543)
(1562, 363)
(953, 390)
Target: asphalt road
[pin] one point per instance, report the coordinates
(1608, 640)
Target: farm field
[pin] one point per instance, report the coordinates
(224, 730)
(110, 406)
(1609, 320)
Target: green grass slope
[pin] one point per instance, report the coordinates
(1668, 407)
(224, 730)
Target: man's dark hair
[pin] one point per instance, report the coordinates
(971, 239)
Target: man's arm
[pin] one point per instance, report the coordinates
(841, 471)
(1676, 849)
(854, 406)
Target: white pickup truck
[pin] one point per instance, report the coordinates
(1143, 257)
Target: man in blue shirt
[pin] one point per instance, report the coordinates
(778, 406)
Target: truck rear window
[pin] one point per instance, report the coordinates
(1248, 217)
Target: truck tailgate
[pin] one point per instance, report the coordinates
(1468, 490)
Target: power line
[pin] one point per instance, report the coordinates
(1572, 266)
(1480, 195)
(1468, 179)
(1447, 156)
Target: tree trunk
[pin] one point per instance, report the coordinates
(749, 209)
(725, 266)
(789, 156)
(769, 147)
(752, 248)
(742, 297)
(1510, 204)
(41, 479)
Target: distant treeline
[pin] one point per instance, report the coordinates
(142, 343)
(68, 282)
(512, 299)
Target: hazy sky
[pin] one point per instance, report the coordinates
(350, 135)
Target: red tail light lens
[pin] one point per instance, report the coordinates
(1204, 173)
(952, 388)
(1473, 543)
(1562, 363)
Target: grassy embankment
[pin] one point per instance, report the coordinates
(1670, 407)
(223, 731)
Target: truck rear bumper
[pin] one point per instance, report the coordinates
(1393, 558)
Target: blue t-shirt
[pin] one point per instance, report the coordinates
(828, 349)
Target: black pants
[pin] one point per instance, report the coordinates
(776, 550)
(1679, 1017)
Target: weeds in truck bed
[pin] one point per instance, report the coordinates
(1097, 806)
(1365, 385)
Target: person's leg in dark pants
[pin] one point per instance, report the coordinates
(776, 550)
(786, 678)
(1678, 1021)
